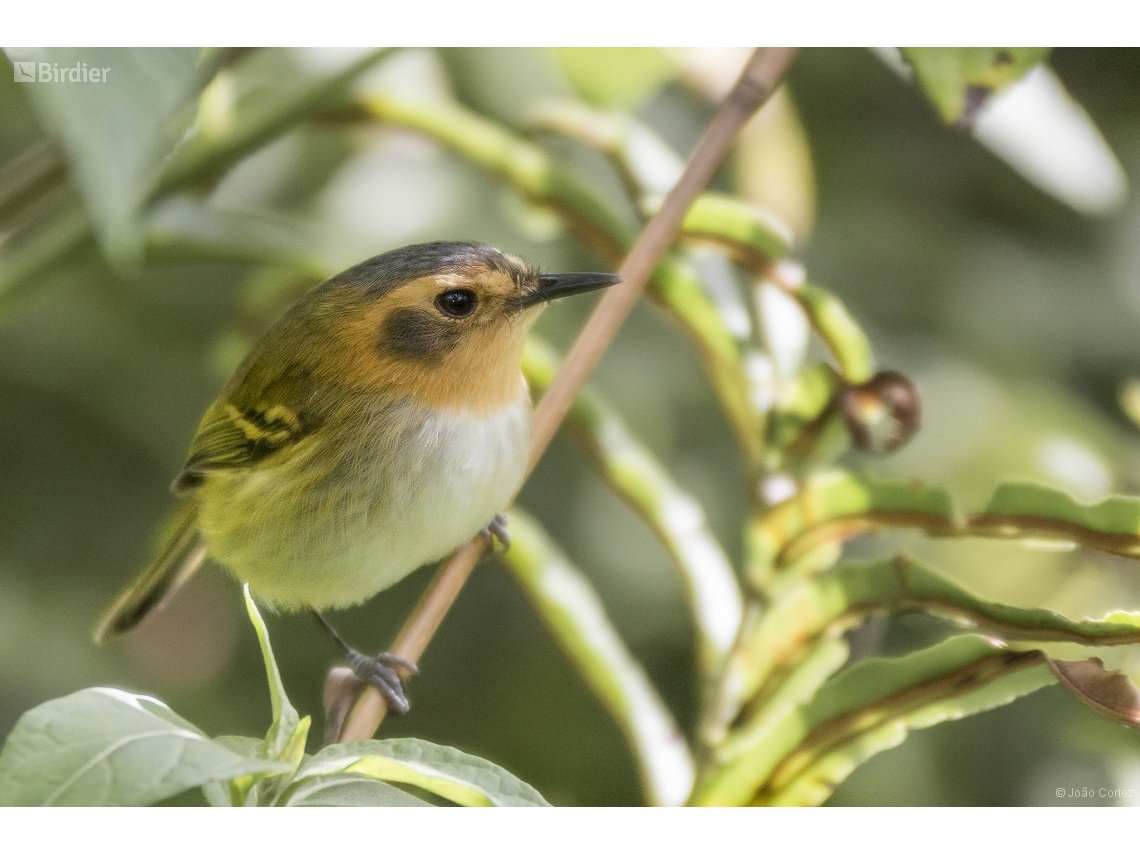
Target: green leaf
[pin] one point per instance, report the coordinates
(802, 680)
(285, 740)
(798, 424)
(616, 77)
(800, 757)
(117, 133)
(676, 287)
(238, 792)
(346, 790)
(839, 331)
(1031, 511)
(525, 166)
(950, 75)
(952, 680)
(902, 584)
(285, 718)
(447, 772)
(676, 518)
(576, 618)
(826, 607)
(648, 168)
(206, 156)
(797, 685)
(647, 165)
(1046, 136)
(108, 747)
(834, 506)
(181, 228)
(752, 236)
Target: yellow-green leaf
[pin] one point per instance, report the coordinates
(616, 77)
(676, 518)
(461, 778)
(1032, 511)
(572, 611)
(949, 75)
(106, 747)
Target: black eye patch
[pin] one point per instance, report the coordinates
(418, 333)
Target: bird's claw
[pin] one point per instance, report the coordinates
(498, 534)
(380, 672)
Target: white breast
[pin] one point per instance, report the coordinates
(472, 466)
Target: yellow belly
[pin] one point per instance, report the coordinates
(330, 533)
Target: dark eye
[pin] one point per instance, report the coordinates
(456, 304)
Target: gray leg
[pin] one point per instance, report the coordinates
(498, 533)
(378, 671)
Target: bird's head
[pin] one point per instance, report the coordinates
(443, 322)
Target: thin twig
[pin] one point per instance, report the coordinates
(756, 84)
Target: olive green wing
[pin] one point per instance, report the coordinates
(181, 553)
(234, 437)
(230, 437)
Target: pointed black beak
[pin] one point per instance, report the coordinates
(551, 286)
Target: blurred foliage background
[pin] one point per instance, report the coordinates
(1012, 302)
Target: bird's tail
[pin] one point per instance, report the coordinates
(183, 551)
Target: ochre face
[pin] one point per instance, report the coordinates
(450, 340)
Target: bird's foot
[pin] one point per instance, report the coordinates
(377, 671)
(498, 534)
(380, 672)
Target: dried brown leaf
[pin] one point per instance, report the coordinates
(1110, 693)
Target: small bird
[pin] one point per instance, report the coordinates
(379, 424)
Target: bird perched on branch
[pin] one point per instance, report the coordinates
(382, 422)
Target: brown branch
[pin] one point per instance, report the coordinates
(756, 84)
